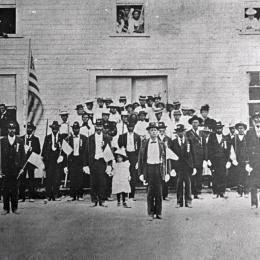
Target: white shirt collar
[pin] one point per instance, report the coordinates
(11, 139)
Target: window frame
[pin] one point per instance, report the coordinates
(146, 18)
(12, 5)
(248, 4)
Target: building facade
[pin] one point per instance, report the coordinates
(195, 51)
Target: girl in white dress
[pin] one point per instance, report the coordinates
(121, 177)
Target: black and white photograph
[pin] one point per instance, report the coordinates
(130, 129)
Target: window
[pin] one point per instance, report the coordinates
(254, 91)
(130, 19)
(7, 21)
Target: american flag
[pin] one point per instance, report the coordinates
(35, 106)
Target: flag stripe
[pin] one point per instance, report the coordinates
(35, 106)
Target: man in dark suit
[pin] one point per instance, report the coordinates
(77, 162)
(219, 154)
(197, 142)
(183, 166)
(253, 166)
(131, 142)
(168, 142)
(13, 159)
(53, 160)
(31, 144)
(98, 166)
(152, 170)
(240, 148)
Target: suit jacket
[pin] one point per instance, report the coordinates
(168, 142)
(142, 158)
(47, 148)
(240, 148)
(83, 150)
(122, 141)
(218, 151)
(209, 122)
(197, 147)
(92, 147)
(185, 157)
(19, 160)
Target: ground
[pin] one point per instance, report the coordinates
(212, 229)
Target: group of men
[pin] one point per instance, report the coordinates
(161, 141)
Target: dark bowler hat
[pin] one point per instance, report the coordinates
(204, 108)
(195, 117)
(152, 125)
(241, 124)
(11, 125)
(122, 98)
(179, 128)
(149, 97)
(142, 112)
(76, 125)
(255, 115)
(161, 125)
(79, 107)
(30, 125)
(176, 103)
(99, 123)
(219, 125)
(55, 125)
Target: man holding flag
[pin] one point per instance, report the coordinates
(31, 145)
(76, 162)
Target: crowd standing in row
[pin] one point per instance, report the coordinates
(151, 142)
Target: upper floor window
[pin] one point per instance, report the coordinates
(130, 19)
(7, 21)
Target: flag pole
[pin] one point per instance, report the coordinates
(27, 92)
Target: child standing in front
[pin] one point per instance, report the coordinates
(121, 177)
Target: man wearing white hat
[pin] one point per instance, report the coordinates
(64, 126)
(251, 22)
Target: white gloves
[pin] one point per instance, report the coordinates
(66, 171)
(167, 177)
(109, 170)
(60, 159)
(173, 173)
(86, 170)
(136, 166)
(27, 148)
(235, 162)
(141, 178)
(248, 168)
(209, 163)
(228, 165)
(204, 164)
(194, 171)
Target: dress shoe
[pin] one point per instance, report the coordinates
(254, 206)
(188, 205)
(179, 206)
(246, 196)
(196, 197)
(71, 199)
(158, 216)
(16, 212)
(31, 200)
(118, 204)
(45, 201)
(102, 205)
(151, 218)
(80, 199)
(5, 212)
(166, 199)
(21, 200)
(215, 196)
(94, 205)
(57, 199)
(126, 206)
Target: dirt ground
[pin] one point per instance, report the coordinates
(212, 229)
